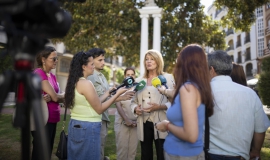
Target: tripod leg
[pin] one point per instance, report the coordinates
(5, 85)
(34, 93)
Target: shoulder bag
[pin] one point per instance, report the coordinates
(61, 152)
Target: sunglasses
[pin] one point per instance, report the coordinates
(54, 58)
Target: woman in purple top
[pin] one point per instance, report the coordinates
(46, 61)
(187, 114)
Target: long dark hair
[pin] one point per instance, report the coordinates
(238, 75)
(44, 53)
(192, 65)
(75, 73)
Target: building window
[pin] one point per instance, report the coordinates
(64, 66)
(239, 57)
(259, 12)
(260, 27)
(268, 6)
(249, 70)
(248, 54)
(260, 46)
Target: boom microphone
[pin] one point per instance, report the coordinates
(163, 81)
(156, 82)
(128, 82)
(140, 86)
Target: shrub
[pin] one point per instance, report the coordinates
(106, 72)
(119, 76)
(264, 82)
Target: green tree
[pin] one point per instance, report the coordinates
(264, 82)
(106, 72)
(241, 14)
(119, 75)
(115, 26)
(6, 61)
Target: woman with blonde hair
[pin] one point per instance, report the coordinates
(150, 106)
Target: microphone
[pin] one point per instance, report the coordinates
(140, 86)
(128, 82)
(163, 81)
(156, 82)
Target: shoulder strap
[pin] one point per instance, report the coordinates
(64, 120)
(206, 136)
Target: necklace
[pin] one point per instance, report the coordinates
(48, 74)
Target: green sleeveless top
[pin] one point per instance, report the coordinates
(82, 110)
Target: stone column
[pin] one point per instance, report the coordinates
(144, 40)
(157, 31)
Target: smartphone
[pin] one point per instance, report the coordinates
(77, 126)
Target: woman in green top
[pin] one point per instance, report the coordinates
(86, 109)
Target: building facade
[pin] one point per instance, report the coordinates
(245, 48)
(266, 51)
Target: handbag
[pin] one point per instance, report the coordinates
(206, 137)
(44, 112)
(61, 151)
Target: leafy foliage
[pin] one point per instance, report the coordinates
(6, 63)
(241, 14)
(264, 82)
(115, 26)
(119, 76)
(106, 72)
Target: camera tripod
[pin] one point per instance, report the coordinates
(28, 94)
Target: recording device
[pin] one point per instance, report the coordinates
(28, 24)
(140, 86)
(163, 81)
(156, 82)
(128, 82)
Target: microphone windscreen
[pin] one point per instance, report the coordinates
(128, 82)
(156, 82)
(162, 79)
(140, 86)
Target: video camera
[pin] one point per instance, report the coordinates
(28, 24)
(34, 21)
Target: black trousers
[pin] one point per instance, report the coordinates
(147, 144)
(50, 128)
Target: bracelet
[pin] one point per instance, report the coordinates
(167, 126)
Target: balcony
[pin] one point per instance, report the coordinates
(229, 48)
(267, 31)
(230, 31)
(247, 39)
(239, 60)
(248, 57)
(238, 44)
(266, 52)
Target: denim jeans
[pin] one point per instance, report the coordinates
(84, 140)
(220, 157)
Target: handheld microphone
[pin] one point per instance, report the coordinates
(128, 82)
(163, 81)
(156, 82)
(140, 86)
